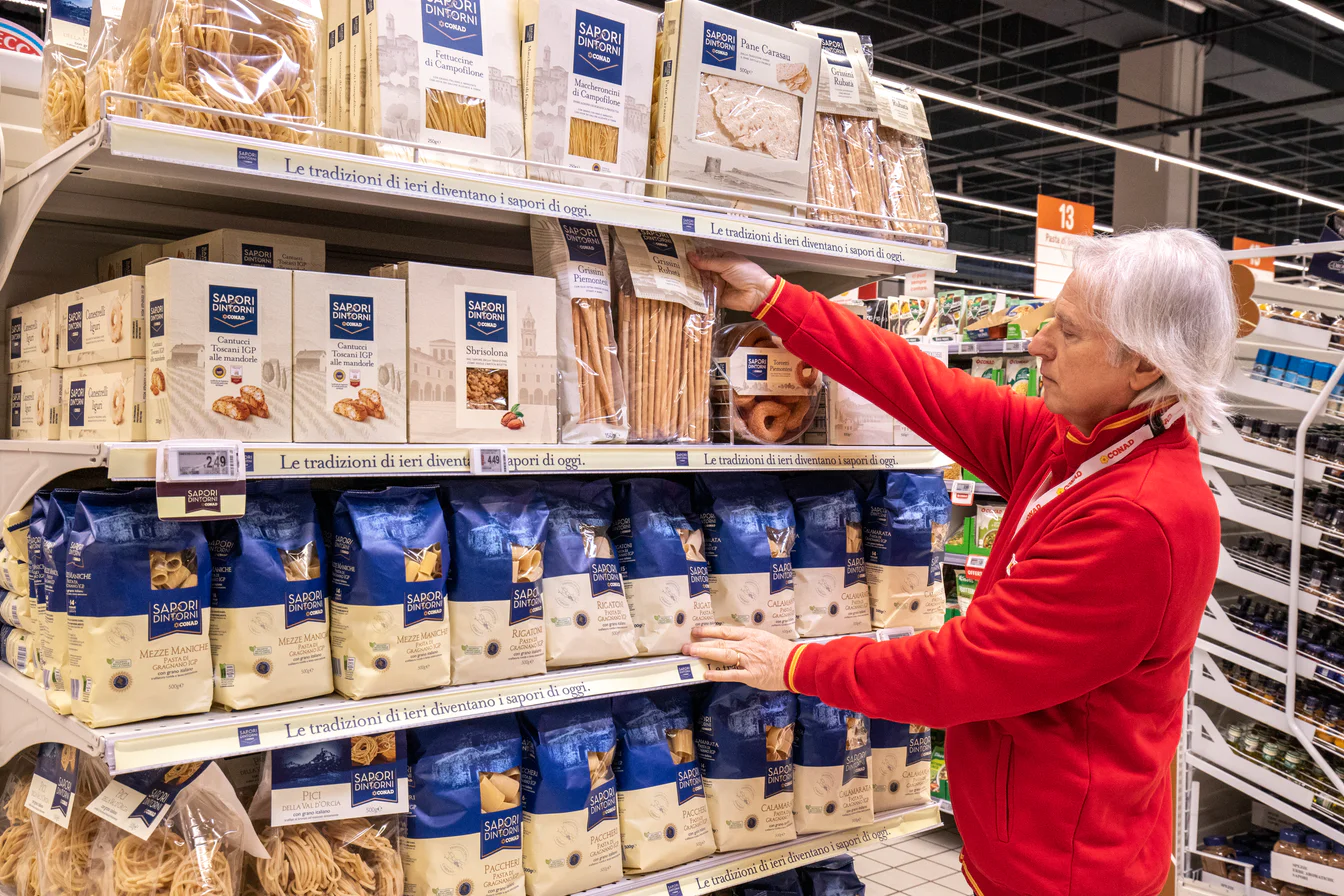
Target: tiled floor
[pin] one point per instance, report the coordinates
(928, 865)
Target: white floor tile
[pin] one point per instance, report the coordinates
(930, 889)
(925, 869)
(894, 878)
(892, 856)
(872, 889)
(866, 865)
(951, 858)
(921, 847)
(866, 848)
(945, 837)
(957, 883)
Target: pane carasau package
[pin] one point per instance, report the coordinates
(901, 757)
(464, 831)
(571, 835)
(830, 582)
(659, 788)
(53, 641)
(832, 787)
(269, 638)
(587, 617)
(494, 597)
(905, 528)
(749, 534)
(663, 565)
(139, 596)
(744, 738)
(389, 628)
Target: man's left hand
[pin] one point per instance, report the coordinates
(755, 658)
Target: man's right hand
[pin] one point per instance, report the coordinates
(743, 284)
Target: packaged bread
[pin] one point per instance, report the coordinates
(246, 57)
(139, 590)
(571, 835)
(389, 623)
(744, 738)
(904, 166)
(592, 390)
(587, 617)
(766, 394)
(904, 530)
(660, 794)
(666, 313)
(64, 62)
(832, 762)
(587, 85)
(830, 582)
(494, 603)
(749, 533)
(464, 829)
(661, 549)
(901, 757)
(53, 625)
(269, 638)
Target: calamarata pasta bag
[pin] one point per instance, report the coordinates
(832, 784)
(901, 757)
(830, 582)
(905, 528)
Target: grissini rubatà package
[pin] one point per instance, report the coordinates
(905, 528)
(904, 164)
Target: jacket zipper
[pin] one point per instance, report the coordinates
(966, 873)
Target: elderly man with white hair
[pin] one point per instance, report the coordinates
(1062, 687)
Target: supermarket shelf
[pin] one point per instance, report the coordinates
(980, 489)
(1273, 331)
(950, 559)
(1240, 383)
(945, 806)
(1228, 443)
(1210, 682)
(1218, 627)
(1265, 792)
(1234, 507)
(1246, 577)
(989, 347)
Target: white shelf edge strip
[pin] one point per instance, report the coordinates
(1258, 793)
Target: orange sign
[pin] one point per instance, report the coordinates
(1060, 226)
(1265, 264)
(1064, 216)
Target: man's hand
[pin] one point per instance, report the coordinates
(757, 658)
(743, 285)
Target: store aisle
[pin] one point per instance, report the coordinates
(928, 865)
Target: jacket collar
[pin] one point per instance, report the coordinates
(1074, 447)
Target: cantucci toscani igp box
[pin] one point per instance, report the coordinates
(736, 99)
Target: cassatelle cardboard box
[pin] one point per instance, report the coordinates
(220, 351)
(482, 356)
(35, 405)
(104, 402)
(259, 250)
(33, 334)
(128, 262)
(349, 358)
(101, 323)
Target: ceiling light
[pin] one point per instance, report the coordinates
(1193, 6)
(1324, 16)
(1017, 261)
(1000, 207)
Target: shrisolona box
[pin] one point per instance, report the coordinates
(258, 250)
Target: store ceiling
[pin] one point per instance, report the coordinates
(1273, 103)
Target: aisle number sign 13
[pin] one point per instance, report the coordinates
(1059, 225)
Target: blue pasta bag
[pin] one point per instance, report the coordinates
(138, 592)
(744, 738)
(37, 596)
(831, 877)
(18, 650)
(901, 758)
(832, 768)
(571, 834)
(587, 617)
(785, 883)
(661, 549)
(494, 601)
(904, 530)
(389, 622)
(53, 636)
(830, 582)
(660, 791)
(749, 534)
(464, 831)
(269, 637)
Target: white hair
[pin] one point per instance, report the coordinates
(1165, 294)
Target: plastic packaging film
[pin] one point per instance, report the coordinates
(101, 73)
(775, 410)
(18, 851)
(904, 170)
(64, 59)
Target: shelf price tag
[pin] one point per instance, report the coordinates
(492, 461)
(200, 479)
(963, 493)
(975, 566)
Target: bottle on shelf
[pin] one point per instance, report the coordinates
(1217, 846)
(1262, 881)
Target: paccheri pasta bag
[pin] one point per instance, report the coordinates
(269, 638)
(389, 623)
(494, 601)
(905, 528)
(592, 391)
(659, 789)
(832, 762)
(661, 548)
(901, 757)
(571, 835)
(64, 58)
(830, 582)
(587, 617)
(587, 90)
(464, 830)
(749, 534)
(139, 597)
(53, 629)
(744, 738)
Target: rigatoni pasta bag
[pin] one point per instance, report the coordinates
(904, 530)
(830, 581)
(832, 760)
(901, 759)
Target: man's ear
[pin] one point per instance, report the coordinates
(1143, 375)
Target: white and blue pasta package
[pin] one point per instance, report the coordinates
(831, 877)
(749, 534)
(830, 581)
(269, 637)
(832, 768)
(902, 755)
(744, 738)
(661, 549)
(53, 630)
(138, 590)
(587, 617)
(494, 599)
(904, 530)
(785, 883)
(660, 793)
(355, 777)
(389, 622)
(464, 833)
(18, 649)
(571, 833)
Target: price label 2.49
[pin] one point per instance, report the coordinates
(201, 480)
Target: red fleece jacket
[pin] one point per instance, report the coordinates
(1062, 687)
